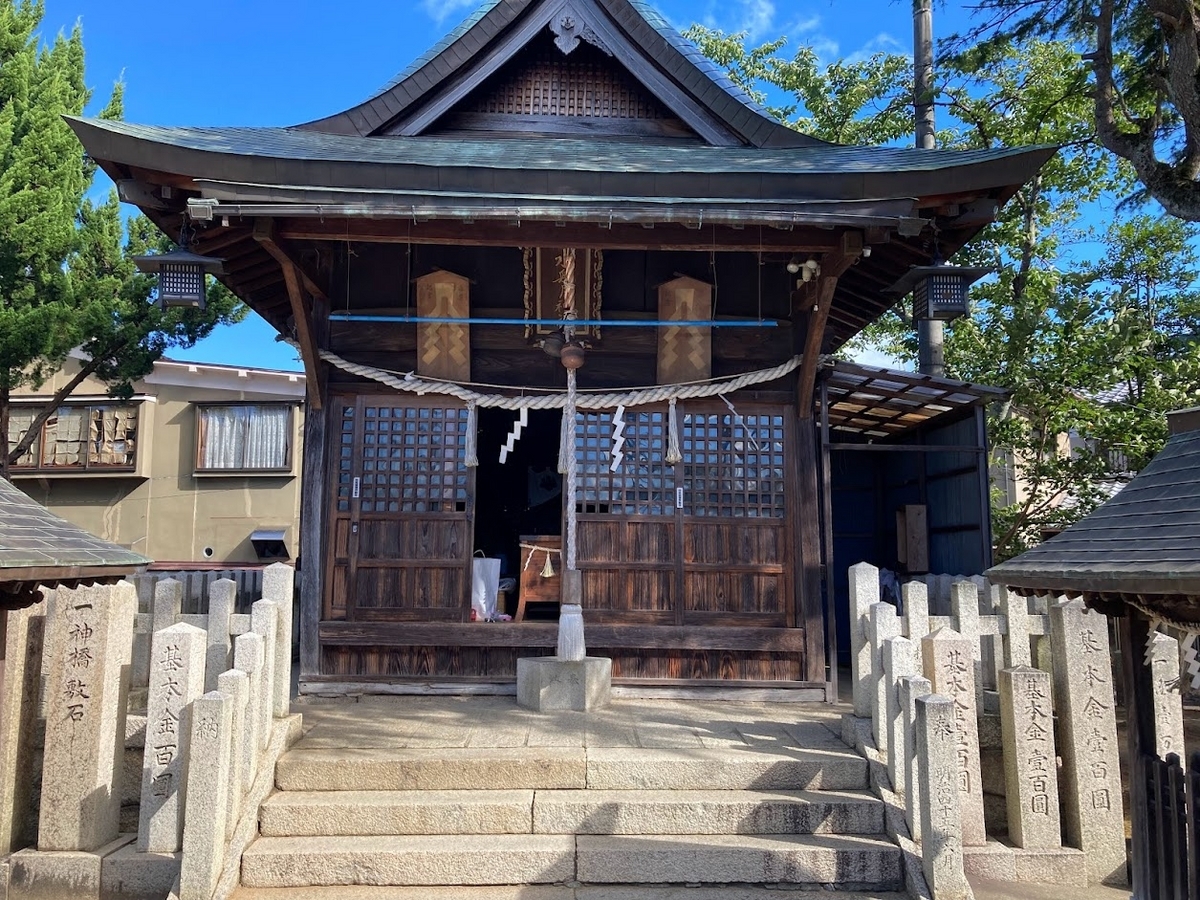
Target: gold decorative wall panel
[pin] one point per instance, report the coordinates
(684, 352)
(444, 349)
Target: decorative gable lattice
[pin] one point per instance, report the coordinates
(544, 90)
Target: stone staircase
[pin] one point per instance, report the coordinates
(583, 819)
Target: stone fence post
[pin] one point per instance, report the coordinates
(864, 591)
(176, 679)
(1163, 658)
(950, 667)
(1030, 764)
(89, 647)
(941, 822)
(1084, 701)
(19, 691)
(279, 585)
(207, 797)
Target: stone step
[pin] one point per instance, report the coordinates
(554, 892)
(857, 862)
(741, 768)
(853, 861)
(411, 860)
(439, 769)
(574, 768)
(341, 813)
(706, 812)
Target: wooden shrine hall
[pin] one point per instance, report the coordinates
(569, 186)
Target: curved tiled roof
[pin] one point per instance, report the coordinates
(38, 546)
(1145, 540)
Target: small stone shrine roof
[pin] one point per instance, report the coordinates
(39, 548)
(1141, 547)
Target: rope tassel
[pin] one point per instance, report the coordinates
(472, 451)
(673, 454)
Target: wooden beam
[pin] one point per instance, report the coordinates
(264, 233)
(536, 634)
(304, 335)
(314, 510)
(818, 317)
(544, 234)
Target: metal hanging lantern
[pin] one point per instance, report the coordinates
(939, 292)
(181, 274)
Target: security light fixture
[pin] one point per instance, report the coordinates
(793, 265)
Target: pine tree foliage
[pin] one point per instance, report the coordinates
(66, 280)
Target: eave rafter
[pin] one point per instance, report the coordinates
(550, 234)
(297, 283)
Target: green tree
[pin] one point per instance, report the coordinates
(1144, 70)
(1094, 352)
(863, 102)
(66, 281)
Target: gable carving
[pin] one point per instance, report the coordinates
(570, 28)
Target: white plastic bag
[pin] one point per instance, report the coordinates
(485, 585)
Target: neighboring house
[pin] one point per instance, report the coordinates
(199, 469)
(545, 160)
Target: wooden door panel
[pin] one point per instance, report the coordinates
(428, 539)
(738, 543)
(402, 508)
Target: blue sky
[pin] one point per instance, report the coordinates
(241, 62)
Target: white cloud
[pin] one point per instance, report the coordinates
(441, 10)
(881, 43)
(756, 18)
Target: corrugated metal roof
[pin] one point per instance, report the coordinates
(1145, 540)
(882, 403)
(33, 538)
(554, 154)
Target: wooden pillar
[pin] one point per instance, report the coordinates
(831, 625)
(1139, 716)
(314, 502)
(985, 486)
(808, 543)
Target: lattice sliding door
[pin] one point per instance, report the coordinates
(628, 530)
(403, 511)
(736, 514)
(705, 542)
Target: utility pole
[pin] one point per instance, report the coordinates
(931, 333)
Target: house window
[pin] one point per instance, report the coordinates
(98, 437)
(244, 438)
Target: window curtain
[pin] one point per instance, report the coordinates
(245, 437)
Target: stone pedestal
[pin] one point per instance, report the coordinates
(547, 683)
(61, 874)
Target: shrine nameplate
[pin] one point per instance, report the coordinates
(684, 352)
(444, 349)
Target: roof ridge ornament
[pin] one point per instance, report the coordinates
(569, 28)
